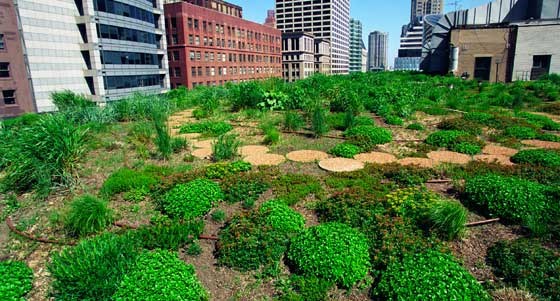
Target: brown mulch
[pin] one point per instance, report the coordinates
(376, 157)
(202, 153)
(265, 159)
(420, 162)
(249, 150)
(341, 165)
(542, 144)
(307, 156)
(500, 159)
(203, 144)
(449, 157)
(492, 149)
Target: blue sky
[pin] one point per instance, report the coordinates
(388, 16)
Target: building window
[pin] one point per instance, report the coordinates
(192, 55)
(174, 38)
(4, 69)
(176, 56)
(482, 67)
(541, 66)
(9, 97)
(177, 72)
(173, 22)
(2, 45)
(189, 22)
(195, 23)
(193, 71)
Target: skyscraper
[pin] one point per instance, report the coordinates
(421, 8)
(377, 55)
(355, 45)
(270, 18)
(328, 20)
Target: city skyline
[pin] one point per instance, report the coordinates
(374, 15)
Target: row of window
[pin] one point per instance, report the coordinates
(196, 40)
(132, 81)
(223, 71)
(128, 58)
(122, 9)
(225, 57)
(125, 34)
(2, 45)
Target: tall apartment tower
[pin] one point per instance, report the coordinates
(356, 43)
(377, 55)
(421, 8)
(270, 18)
(106, 49)
(326, 19)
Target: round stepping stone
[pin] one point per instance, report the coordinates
(249, 150)
(306, 156)
(492, 149)
(419, 162)
(449, 157)
(341, 165)
(542, 144)
(191, 135)
(500, 159)
(202, 153)
(265, 159)
(376, 157)
(203, 144)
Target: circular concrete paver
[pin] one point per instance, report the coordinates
(419, 162)
(202, 153)
(449, 157)
(500, 159)
(203, 144)
(265, 159)
(542, 144)
(249, 150)
(376, 157)
(492, 149)
(341, 165)
(307, 156)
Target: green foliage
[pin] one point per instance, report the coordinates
(246, 95)
(93, 269)
(540, 121)
(549, 137)
(17, 280)
(271, 134)
(527, 265)
(302, 288)
(219, 216)
(42, 155)
(163, 139)
(367, 137)
(207, 128)
(225, 148)
(345, 150)
(319, 125)
(510, 198)
(192, 200)
(87, 215)
(407, 175)
(126, 180)
(429, 275)
(178, 144)
(168, 235)
(479, 117)
(243, 190)
(460, 124)
(293, 121)
(539, 157)
(160, 275)
(68, 101)
(223, 170)
(139, 107)
(448, 219)
(293, 188)
(393, 120)
(281, 217)
(416, 127)
(273, 101)
(521, 132)
(466, 148)
(413, 203)
(444, 138)
(332, 251)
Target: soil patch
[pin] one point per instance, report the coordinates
(265, 159)
(250, 150)
(542, 144)
(420, 162)
(376, 157)
(202, 153)
(203, 144)
(449, 157)
(307, 156)
(492, 149)
(341, 165)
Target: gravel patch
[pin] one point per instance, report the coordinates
(449, 157)
(202, 153)
(500, 159)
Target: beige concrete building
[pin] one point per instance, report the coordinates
(323, 56)
(298, 56)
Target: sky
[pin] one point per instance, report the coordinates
(383, 15)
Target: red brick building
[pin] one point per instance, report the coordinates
(207, 47)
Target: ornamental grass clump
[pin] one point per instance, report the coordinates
(193, 199)
(17, 280)
(160, 275)
(538, 157)
(332, 251)
(367, 137)
(429, 275)
(225, 148)
(87, 215)
(447, 218)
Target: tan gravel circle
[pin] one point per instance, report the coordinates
(306, 156)
(249, 150)
(202, 153)
(492, 149)
(449, 157)
(203, 144)
(190, 135)
(503, 160)
(376, 157)
(542, 144)
(419, 162)
(341, 165)
(265, 159)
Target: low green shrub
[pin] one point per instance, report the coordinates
(527, 265)
(223, 170)
(69, 101)
(367, 137)
(87, 215)
(337, 121)
(169, 235)
(319, 124)
(179, 144)
(17, 280)
(539, 157)
(448, 218)
(429, 275)
(271, 135)
(240, 189)
(125, 180)
(479, 117)
(281, 217)
(332, 251)
(207, 128)
(293, 121)
(549, 137)
(160, 275)
(225, 148)
(219, 216)
(305, 288)
(293, 188)
(460, 124)
(345, 150)
(416, 127)
(445, 138)
(413, 203)
(540, 121)
(466, 148)
(93, 269)
(394, 120)
(192, 200)
(407, 175)
(521, 132)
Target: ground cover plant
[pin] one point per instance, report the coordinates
(17, 280)
(87, 215)
(207, 128)
(193, 199)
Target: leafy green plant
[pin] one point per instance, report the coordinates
(460, 124)
(332, 251)
(367, 137)
(93, 269)
(273, 101)
(160, 275)
(225, 148)
(87, 215)
(448, 218)
(246, 95)
(163, 139)
(479, 117)
(223, 170)
(466, 148)
(218, 216)
(281, 217)
(540, 157)
(126, 180)
(193, 199)
(271, 134)
(178, 144)
(413, 203)
(540, 121)
(393, 120)
(444, 138)
(240, 189)
(167, 234)
(428, 275)
(528, 265)
(302, 288)
(345, 150)
(293, 121)
(292, 188)
(416, 127)
(68, 101)
(207, 128)
(549, 137)
(319, 125)
(17, 280)
(521, 132)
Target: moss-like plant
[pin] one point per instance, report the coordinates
(87, 215)
(367, 137)
(125, 180)
(193, 199)
(521, 132)
(223, 170)
(332, 251)
(281, 217)
(345, 150)
(17, 280)
(416, 127)
(445, 138)
(540, 157)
